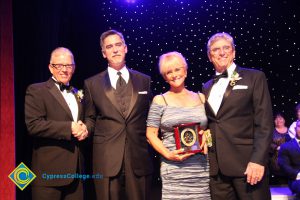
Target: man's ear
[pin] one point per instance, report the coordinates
(103, 54)
(209, 57)
(126, 48)
(50, 68)
(73, 69)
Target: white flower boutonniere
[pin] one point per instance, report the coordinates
(234, 78)
(78, 94)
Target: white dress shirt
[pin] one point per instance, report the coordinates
(292, 131)
(219, 88)
(113, 76)
(71, 101)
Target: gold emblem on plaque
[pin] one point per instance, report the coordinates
(188, 137)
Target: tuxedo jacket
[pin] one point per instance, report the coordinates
(48, 119)
(242, 128)
(289, 159)
(113, 132)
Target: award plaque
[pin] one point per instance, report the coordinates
(187, 137)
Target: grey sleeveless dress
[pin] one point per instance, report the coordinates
(180, 180)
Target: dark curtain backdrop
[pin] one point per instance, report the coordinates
(152, 29)
(40, 27)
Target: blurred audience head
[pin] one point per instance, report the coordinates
(298, 111)
(297, 129)
(279, 119)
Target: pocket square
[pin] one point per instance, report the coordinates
(240, 87)
(143, 92)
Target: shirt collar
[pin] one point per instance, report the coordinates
(57, 80)
(56, 83)
(113, 73)
(113, 76)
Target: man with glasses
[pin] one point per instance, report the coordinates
(53, 114)
(240, 119)
(117, 104)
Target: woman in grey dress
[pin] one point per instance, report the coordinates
(184, 176)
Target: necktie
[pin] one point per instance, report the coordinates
(223, 75)
(120, 82)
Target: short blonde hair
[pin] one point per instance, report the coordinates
(170, 59)
(217, 37)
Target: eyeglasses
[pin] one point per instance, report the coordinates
(60, 66)
(217, 50)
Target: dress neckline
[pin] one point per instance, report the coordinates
(179, 106)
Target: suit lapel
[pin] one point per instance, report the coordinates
(74, 91)
(59, 97)
(109, 92)
(134, 81)
(209, 87)
(226, 94)
(79, 110)
(228, 89)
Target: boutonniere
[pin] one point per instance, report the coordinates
(234, 78)
(78, 94)
(208, 137)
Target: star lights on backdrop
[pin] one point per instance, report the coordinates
(265, 34)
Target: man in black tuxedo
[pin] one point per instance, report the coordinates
(289, 161)
(53, 114)
(240, 119)
(117, 104)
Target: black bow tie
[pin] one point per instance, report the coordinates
(63, 87)
(223, 75)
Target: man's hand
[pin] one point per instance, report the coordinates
(79, 130)
(254, 172)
